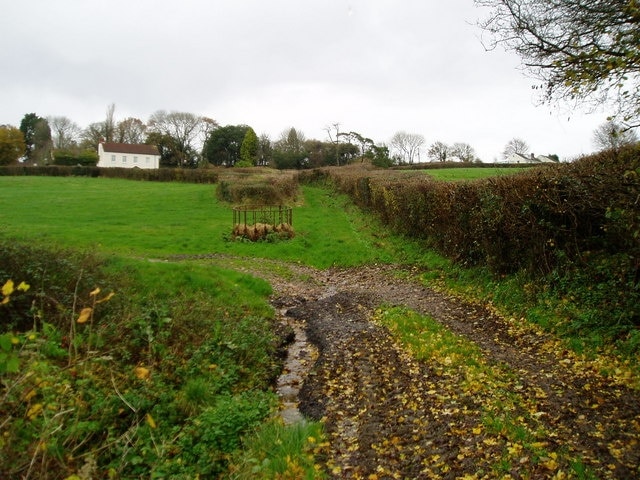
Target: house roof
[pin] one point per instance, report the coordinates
(140, 149)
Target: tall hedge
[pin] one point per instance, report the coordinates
(531, 220)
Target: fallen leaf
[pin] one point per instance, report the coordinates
(85, 314)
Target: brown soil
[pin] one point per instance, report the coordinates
(387, 415)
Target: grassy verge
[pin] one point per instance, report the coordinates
(125, 368)
(571, 306)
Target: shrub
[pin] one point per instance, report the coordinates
(84, 158)
(124, 386)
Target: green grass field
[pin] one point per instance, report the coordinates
(470, 173)
(157, 219)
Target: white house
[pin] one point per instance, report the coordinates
(527, 159)
(126, 155)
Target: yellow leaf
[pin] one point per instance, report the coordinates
(142, 373)
(107, 298)
(551, 463)
(34, 411)
(5, 300)
(30, 394)
(85, 314)
(95, 292)
(23, 286)
(7, 288)
(150, 420)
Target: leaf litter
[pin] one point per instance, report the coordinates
(507, 402)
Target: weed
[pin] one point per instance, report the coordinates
(274, 450)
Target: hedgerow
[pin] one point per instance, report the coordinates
(572, 228)
(532, 220)
(186, 175)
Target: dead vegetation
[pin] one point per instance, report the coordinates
(260, 231)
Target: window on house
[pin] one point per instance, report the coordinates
(147, 158)
(124, 159)
(113, 158)
(135, 159)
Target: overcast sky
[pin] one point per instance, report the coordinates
(373, 66)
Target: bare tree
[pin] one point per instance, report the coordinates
(186, 131)
(439, 152)
(515, 145)
(92, 135)
(366, 144)
(463, 151)
(612, 135)
(208, 126)
(291, 141)
(407, 145)
(265, 149)
(110, 124)
(130, 130)
(65, 133)
(329, 129)
(580, 50)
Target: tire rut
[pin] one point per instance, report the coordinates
(388, 415)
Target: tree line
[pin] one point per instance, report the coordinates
(188, 140)
(580, 51)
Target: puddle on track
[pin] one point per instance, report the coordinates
(300, 358)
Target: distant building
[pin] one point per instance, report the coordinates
(126, 155)
(527, 159)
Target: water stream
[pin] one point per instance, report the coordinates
(300, 357)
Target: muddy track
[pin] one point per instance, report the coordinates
(389, 416)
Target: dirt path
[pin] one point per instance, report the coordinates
(390, 416)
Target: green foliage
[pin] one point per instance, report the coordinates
(249, 149)
(278, 451)
(207, 438)
(85, 158)
(37, 137)
(128, 382)
(12, 145)
(223, 146)
(9, 361)
(543, 225)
